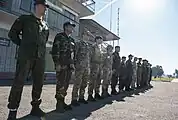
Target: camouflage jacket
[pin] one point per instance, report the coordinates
(123, 70)
(129, 67)
(82, 53)
(34, 33)
(95, 54)
(134, 67)
(139, 67)
(63, 49)
(116, 61)
(107, 61)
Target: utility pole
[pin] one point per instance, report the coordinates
(118, 20)
(111, 19)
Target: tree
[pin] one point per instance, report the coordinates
(157, 71)
(176, 73)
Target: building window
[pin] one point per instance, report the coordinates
(54, 19)
(26, 5)
(69, 15)
(5, 4)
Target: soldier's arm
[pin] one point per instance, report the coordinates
(114, 63)
(15, 30)
(55, 49)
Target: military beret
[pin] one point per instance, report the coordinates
(68, 23)
(98, 37)
(117, 46)
(109, 46)
(140, 58)
(130, 55)
(43, 2)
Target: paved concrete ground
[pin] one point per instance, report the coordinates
(158, 103)
(174, 80)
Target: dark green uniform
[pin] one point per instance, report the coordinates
(116, 68)
(139, 73)
(63, 52)
(31, 56)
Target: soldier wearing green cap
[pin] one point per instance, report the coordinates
(31, 57)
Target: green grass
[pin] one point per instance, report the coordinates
(162, 79)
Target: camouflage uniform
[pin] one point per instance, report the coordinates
(63, 52)
(95, 70)
(81, 72)
(122, 74)
(107, 72)
(134, 75)
(144, 74)
(139, 73)
(31, 56)
(129, 68)
(116, 68)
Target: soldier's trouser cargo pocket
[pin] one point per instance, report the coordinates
(63, 77)
(37, 67)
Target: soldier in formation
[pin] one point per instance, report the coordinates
(31, 56)
(115, 69)
(107, 70)
(139, 72)
(129, 68)
(122, 75)
(81, 72)
(134, 76)
(63, 54)
(95, 70)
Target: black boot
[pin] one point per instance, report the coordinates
(75, 103)
(82, 100)
(60, 106)
(97, 96)
(90, 98)
(36, 111)
(12, 115)
(67, 107)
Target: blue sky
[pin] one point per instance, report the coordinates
(148, 29)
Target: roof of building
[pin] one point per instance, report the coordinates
(96, 29)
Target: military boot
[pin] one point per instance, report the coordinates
(12, 115)
(90, 98)
(60, 106)
(82, 100)
(75, 103)
(97, 96)
(36, 111)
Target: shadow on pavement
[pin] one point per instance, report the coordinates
(84, 111)
(9, 82)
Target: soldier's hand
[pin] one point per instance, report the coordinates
(113, 71)
(58, 68)
(72, 67)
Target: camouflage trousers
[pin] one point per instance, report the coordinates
(139, 78)
(95, 79)
(107, 74)
(134, 79)
(80, 82)
(23, 66)
(63, 78)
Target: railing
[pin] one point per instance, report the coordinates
(90, 4)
